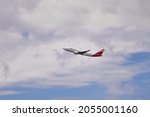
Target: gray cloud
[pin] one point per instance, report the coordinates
(133, 14)
(8, 92)
(11, 10)
(5, 70)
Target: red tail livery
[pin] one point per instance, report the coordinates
(100, 53)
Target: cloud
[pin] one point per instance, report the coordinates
(65, 14)
(132, 14)
(8, 92)
(10, 13)
(31, 42)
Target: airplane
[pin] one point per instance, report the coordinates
(85, 53)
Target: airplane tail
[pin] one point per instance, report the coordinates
(99, 53)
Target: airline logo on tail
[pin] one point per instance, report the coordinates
(100, 53)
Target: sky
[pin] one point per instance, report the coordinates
(33, 64)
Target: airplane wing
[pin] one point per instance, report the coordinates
(75, 51)
(83, 52)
